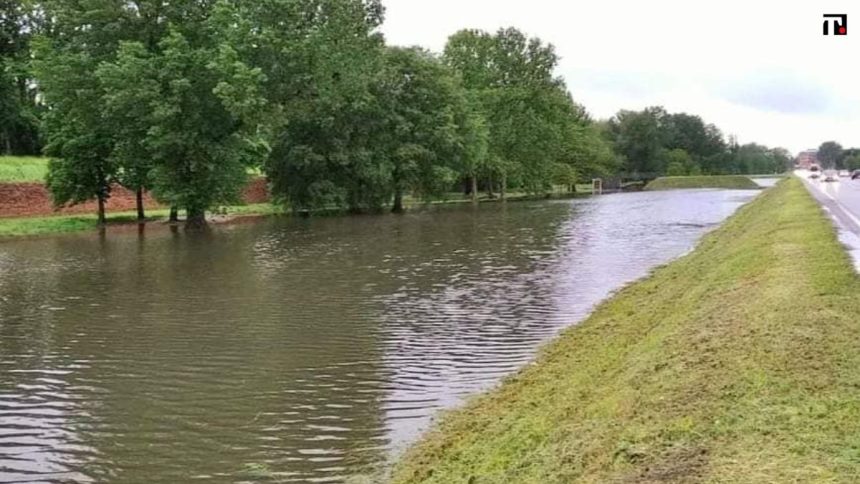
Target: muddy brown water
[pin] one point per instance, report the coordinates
(295, 350)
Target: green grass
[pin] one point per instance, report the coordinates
(737, 363)
(26, 226)
(720, 181)
(15, 169)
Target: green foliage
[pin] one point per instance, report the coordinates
(78, 139)
(320, 60)
(533, 124)
(852, 162)
(184, 98)
(20, 111)
(830, 155)
(149, 96)
(421, 104)
(647, 138)
(678, 162)
(202, 117)
(757, 159)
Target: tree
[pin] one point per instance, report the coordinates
(204, 131)
(78, 138)
(783, 161)
(589, 151)
(753, 158)
(852, 162)
(321, 59)
(130, 90)
(830, 154)
(639, 136)
(679, 163)
(527, 109)
(427, 124)
(689, 133)
(20, 112)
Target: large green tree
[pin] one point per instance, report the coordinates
(78, 137)
(831, 154)
(19, 110)
(640, 137)
(428, 132)
(527, 109)
(321, 59)
(203, 107)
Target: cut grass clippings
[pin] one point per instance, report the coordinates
(737, 363)
(739, 182)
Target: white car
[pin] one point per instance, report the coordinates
(831, 176)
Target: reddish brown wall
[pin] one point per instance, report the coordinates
(28, 199)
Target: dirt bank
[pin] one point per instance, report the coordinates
(33, 199)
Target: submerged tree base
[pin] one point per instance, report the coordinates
(737, 363)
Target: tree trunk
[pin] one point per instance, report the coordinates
(102, 218)
(174, 215)
(196, 218)
(503, 187)
(141, 216)
(474, 189)
(398, 202)
(490, 193)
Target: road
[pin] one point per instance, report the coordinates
(841, 200)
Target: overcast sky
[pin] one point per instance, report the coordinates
(761, 70)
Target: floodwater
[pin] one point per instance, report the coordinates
(291, 350)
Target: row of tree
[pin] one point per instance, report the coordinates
(185, 98)
(832, 155)
(653, 143)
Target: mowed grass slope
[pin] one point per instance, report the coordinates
(738, 363)
(17, 169)
(717, 181)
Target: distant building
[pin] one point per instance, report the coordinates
(806, 159)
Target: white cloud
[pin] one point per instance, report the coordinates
(760, 70)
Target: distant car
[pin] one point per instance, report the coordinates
(844, 173)
(855, 175)
(831, 176)
(815, 175)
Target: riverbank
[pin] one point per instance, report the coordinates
(730, 182)
(12, 227)
(736, 363)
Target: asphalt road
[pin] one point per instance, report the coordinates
(842, 199)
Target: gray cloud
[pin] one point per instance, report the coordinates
(779, 92)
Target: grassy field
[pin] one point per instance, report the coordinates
(722, 181)
(16, 227)
(737, 363)
(15, 169)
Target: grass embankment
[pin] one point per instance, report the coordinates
(18, 169)
(737, 363)
(739, 182)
